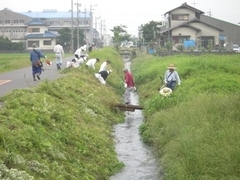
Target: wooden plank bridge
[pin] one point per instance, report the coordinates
(127, 107)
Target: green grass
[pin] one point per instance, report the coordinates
(62, 129)
(14, 61)
(195, 131)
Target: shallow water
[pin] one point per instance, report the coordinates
(140, 163)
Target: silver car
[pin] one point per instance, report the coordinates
(236, 48)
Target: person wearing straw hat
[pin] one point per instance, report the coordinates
(171, 77)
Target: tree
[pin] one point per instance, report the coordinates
(120, 34)
(8, 45)
(81, 37)
(150, 31)
(64, 37)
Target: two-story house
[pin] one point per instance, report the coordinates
(184, 23)
(14, 26)
(37, 32)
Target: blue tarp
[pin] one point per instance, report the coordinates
(151, 51)
(190, 43)
(222, 38)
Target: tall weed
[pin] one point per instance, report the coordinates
(195, 131)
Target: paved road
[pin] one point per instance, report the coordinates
(22, 78)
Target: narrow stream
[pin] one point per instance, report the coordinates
(140, 163)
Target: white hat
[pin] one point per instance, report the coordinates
(109, 71)
(84, 47)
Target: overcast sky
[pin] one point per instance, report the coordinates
(131, 13)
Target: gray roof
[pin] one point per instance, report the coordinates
(46, 34)
(56, 14)
(188, 24)
(185, 5)
(36, 22)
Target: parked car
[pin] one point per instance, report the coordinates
(236, 48)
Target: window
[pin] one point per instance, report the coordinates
(30, 43)
(33, 30)
(180, 17)
(47, 43)
(15, 21)
(7, 21)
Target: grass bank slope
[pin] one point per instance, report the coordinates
(62, 129)
(195, 131)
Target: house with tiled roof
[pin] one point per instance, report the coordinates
(14, 26)
(37, 32)
(186, 23)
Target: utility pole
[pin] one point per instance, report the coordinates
(209, 13)
(101, 27)
(91, 23)
(104, 32)
(78, 11)
(96, 21)
(72, 26)
(85, 24)
(194, 3)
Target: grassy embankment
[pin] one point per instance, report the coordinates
(195, 131)
(62, 129)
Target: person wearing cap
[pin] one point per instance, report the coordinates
(171, 77)
(59, 53)
(102, 75)
(91, 63)
(35, 58)
(104, 65)
(129, 85)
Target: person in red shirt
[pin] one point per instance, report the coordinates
(129, 85)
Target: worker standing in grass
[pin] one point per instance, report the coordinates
(171, 77)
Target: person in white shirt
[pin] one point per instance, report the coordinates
(91, 63)
(73, 64)
(80, 51)
(104, 65)
(59, 53)
(171, 77)
(102, 75)
(82, 59)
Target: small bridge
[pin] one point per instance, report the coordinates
(127, 107)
